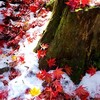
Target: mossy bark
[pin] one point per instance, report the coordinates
(74, 39)
(49, 33)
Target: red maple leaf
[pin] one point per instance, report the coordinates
(44, 46)
(51, 92)
(51, 62)
(27, 1)
(5, 82)
(57, 86)
(41, 74)
(48, 77)
(2, 42)
(43, 13)
(21, 58)
(39, 1)
(14, 73)
(27, 91)
(73, 3)
(67, 96)
(82, 93)
(57, 73)
(3, 94)
(1, 51)
(48, 89)
(77, 3)
(8, 5)
(1, 76)
(91, 71)
(85, 2)
(33, 8)
(30, 40)
(1, 28)
(27, 35)
(68, 70)
(41, 53)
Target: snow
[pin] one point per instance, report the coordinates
(1, 3)
(92, 84)
(1, 85)
(94, 2)
(67, 84)
(1, 15)
(1, 18)
(28, 69)
(18, 85)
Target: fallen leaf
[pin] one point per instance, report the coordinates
(33, 8)
(41, 74)
(5, 82)
(35, 91)
(1, 51)
(44, 46)
(13, 64)
(91, 71)
(14, 58)
(57, 86)
(68, 70)
(1, 28)
(51, 62)
(57, 73)
(21, 59)
(41, 53)
(82, 93)
(3, 94)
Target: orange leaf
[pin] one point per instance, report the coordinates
(57, 86)
(68, 70)
(48, 89)
(41, 74)
(51, 92)
(58, 73)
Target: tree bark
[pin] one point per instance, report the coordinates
(74, 39)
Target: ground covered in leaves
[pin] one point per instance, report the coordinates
(21, 26)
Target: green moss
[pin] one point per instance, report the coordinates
(50, 4)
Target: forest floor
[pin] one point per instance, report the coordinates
(22, 79)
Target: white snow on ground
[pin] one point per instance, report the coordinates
(92, 84)
(94, 2)
(18, 85)
(27, 79)
(67, 84)
(1, 18)
(1, 15)
(28, 69)
(1, 3)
